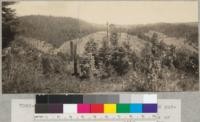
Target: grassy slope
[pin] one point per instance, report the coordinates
(186, 31)
(177, 42)
(136, 43)
(28, 63)
(22, 71)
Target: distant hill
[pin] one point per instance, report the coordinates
(188, 31)
(55, 30)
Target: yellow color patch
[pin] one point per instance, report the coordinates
(109, 108)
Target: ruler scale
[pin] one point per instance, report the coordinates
(94, 116)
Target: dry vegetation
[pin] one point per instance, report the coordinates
(144, 58)
(28, 69)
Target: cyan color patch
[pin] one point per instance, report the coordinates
(136, 108)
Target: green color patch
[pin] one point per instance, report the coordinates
(123, 108)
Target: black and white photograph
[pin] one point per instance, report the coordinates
(99, 46)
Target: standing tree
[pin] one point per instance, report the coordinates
(113, 36)
(9, 24)
(91, 47)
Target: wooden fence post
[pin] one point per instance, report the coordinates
(75, 59)
(71, 51)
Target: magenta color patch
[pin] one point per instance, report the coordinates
(83, 108)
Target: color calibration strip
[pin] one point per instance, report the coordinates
(75, 104)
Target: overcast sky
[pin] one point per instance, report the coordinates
(121, 12)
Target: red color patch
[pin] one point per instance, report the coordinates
(96, 108)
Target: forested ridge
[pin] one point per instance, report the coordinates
(55, 30)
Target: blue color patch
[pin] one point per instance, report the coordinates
(136, 108)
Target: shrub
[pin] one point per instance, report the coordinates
(119, 60)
